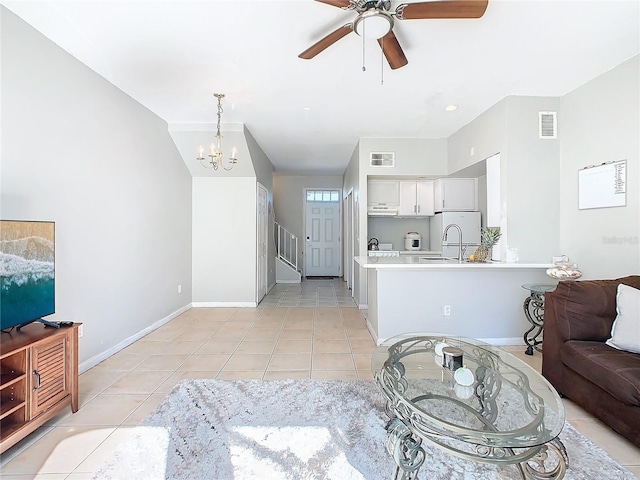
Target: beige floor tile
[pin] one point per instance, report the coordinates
(293, 346)
(229, 335)
(298, 323)
(633, 469)
(163, 335)
(245, 315)
(240, 375)
(621, 450)
(256, 346)
(204, 362)
(138, 382)
(106, 410)
(123, 361)
(330, 333)
(182, 347)
(96, 459)
(358, 334)
(258, 334)
(334, 375)
(287, 375)
(241, 362)
(574, 412)
(162, 362)
(332, 361)
(175, 377)
(218, 347)
(362, 361)
(145, 409)
(290, 361)
(144, 347)
(44, 476)
(61, 450)
(269, 323)
(195, 335)
(296, 334)
(321, 345)
(365, 375)
(95, 381)
(363, 346)
(23, 444)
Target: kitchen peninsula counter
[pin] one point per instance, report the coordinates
(413, 262)
(409, 294)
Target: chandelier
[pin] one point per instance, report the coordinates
(215, 157)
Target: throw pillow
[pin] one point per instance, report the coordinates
(625, 332)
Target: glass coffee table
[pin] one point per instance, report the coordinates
(500, 410)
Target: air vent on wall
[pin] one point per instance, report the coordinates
(547, 124)
(382, 159)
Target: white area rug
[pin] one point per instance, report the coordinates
(302, 429)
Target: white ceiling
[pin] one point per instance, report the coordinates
(307, 115)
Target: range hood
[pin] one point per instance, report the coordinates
(382, 210)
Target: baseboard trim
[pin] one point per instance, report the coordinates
(363, 306)
(96, 359)
(289, 281)
(503, 341)
(224, 304)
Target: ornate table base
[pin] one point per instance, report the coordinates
(534, 312)
(545, 462)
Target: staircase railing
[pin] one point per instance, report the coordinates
(287, 246)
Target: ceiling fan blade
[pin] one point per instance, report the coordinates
(336, 3)
(392, 50)
(327, 41)
(442, 9)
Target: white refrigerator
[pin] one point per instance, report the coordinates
(469, 223)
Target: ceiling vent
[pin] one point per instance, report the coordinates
(382, 159)
(548, 124)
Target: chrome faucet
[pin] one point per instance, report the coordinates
(444, 237)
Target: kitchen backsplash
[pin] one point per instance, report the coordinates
(392, 230)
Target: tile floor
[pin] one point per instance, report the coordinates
(309, 330)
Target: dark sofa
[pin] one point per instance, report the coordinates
(601, 379)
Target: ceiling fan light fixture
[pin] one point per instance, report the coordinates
(373, 24)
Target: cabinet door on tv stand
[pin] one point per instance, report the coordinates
(50, 375)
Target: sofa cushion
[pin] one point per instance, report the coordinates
(585, 310)
(615, 371)
(625, 334)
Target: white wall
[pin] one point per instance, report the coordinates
(224, 241)
(351, 183)
(78, 151)
(600, 123)
(529, 166)
(264, 175)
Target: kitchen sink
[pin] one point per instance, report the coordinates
(439, 259)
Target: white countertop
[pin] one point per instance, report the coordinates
(420, 252)
(415, 262)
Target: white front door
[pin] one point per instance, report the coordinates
(263, 235)
(322, 253)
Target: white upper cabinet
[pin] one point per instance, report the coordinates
(456, 194)
(416, 198)
(382, 192)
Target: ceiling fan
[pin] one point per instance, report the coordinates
(375, 20)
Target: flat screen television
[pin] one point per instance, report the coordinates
(27, 272)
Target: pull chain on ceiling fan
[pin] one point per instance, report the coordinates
(380, 21)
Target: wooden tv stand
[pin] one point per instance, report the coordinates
(38, 378)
